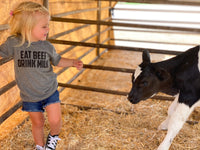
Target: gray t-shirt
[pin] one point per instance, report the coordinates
(33, 67)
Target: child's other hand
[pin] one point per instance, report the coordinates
(78, 64)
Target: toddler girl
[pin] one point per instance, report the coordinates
(33, 59)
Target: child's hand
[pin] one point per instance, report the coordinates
(78, 64)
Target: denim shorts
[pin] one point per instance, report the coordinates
(40, 106)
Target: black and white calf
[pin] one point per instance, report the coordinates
(178, 76)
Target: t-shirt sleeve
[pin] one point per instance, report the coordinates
(55, 57)
(6, 49)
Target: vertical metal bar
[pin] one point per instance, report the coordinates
(110, 16)
(98, 26)
(46, 3)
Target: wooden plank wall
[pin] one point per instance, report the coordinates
(81, 9)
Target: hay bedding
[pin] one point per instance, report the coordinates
(97, 121)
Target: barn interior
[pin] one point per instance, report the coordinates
(96, 114)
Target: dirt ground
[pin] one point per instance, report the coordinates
(98, 121)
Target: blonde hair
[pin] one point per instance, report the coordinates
(23, 20)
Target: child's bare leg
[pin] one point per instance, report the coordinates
(37, 120)
(54, 118)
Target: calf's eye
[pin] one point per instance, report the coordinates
(145, 83)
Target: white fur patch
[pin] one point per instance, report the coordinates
(176, 122)
(171, 109)
(137, 72)
(173, 106)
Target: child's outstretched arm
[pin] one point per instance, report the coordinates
(65, 62)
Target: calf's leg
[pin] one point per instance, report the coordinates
(171, 109)
(176, 122)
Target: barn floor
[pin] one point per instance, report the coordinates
(98, 121)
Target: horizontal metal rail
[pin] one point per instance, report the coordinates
(85, 88)
(173, 2)
(154, 42)
(7, 87)
(74, 1)
(75, 12)
(79, 11)
(158, 21)
(157, 10)
(5, 60)
(84, 40)
(152, 30)
(68, 31)
(92, 89)
(89, 51)
(74, 29)
(108, 68)
(72, 79)
(114, 47)
(135, 25)
(10, 112)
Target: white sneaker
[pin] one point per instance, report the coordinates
(38, 147)
(51, 142)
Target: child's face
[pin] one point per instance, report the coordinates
(41, 29)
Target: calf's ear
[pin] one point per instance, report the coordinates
(162, 74)
(145, 59)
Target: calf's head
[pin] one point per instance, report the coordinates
(147, 80)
